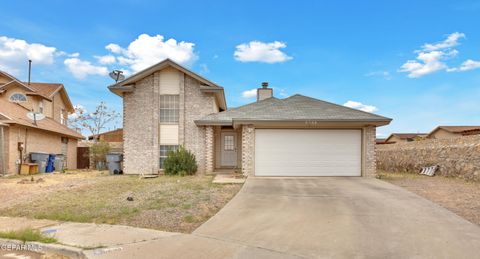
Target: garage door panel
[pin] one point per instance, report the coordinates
(307, 152)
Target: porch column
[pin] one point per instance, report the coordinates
(248, 149)
(209, 145)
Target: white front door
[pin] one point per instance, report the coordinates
(229, 149)
(309, 152)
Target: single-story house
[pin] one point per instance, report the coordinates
(20, 135)
(113, 137)
(405, 137)
(167, 105)
(443, 132)
(382, 141)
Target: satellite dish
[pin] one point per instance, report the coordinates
(117, 75)
(35, 116)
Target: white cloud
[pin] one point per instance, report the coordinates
(466, 65)
(107, 59)
(249, 93)
(360, 106)
(15, 53)
(148, 50)
(451, 41)
(432, 58)
(81, 69)
(384, 74)
(256, 51)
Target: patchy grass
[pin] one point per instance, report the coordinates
(169, 203)
(455, 194)
(27, 234)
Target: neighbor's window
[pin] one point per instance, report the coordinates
(169, 106)
(163, 152)
(18, 98)
(62, 117)
(40, 106)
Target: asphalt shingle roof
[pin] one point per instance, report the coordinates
(296, 107)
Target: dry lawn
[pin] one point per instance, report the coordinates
(177, 204)
(457, 195)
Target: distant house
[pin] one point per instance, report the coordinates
(381, 141)
(405, 137)
(21, 135)
(113, 137)
(443, 132)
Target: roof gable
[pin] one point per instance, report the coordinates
(208, 86)
(294, 108)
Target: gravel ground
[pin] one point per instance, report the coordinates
(457, 195)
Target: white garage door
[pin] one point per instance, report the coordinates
(297, 152)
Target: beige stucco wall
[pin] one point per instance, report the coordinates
(57, 105)
(37, 141)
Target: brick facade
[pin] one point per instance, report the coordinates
(369, 138)
(248, 149)
(141, 123)
(35, 141)
(209, 149)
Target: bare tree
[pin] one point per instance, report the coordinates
(94, 122)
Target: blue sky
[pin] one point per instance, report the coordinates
(418, 63)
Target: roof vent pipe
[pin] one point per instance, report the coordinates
(29, 70)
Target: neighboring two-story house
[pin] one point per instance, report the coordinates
(21, 135)
(167, 105)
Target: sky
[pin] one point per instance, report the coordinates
(417, 62)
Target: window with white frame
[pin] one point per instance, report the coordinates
(18, 98)
(164, 152)
(169, 108)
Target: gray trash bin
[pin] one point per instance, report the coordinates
(41, 159)
(59, 162)
(114, 163)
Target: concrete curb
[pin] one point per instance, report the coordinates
(15, 245)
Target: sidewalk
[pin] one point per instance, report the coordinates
(87, 240)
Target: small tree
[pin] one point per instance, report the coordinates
(94, 122)
(180, 162)
(98, 152)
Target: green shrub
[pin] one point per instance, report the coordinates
(27, 234)
(98, 152)
(180, 162)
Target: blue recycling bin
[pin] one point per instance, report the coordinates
(50, 164)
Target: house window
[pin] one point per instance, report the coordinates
(169, 108)
(18, 98)
(229, 143)
(62, 116)
(40, 106)
(164, 151)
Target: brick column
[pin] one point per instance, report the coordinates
(370, 167)
(209, 149)
(248, 149)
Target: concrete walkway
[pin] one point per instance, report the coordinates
(293, 218)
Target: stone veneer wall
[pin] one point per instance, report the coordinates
(457, 157)
(370, 167)
(248, 149)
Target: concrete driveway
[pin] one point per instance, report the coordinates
(341, 218)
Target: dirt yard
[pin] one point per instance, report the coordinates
(457, 195)
(178, 204)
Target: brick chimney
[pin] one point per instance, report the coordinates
(264, 92)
